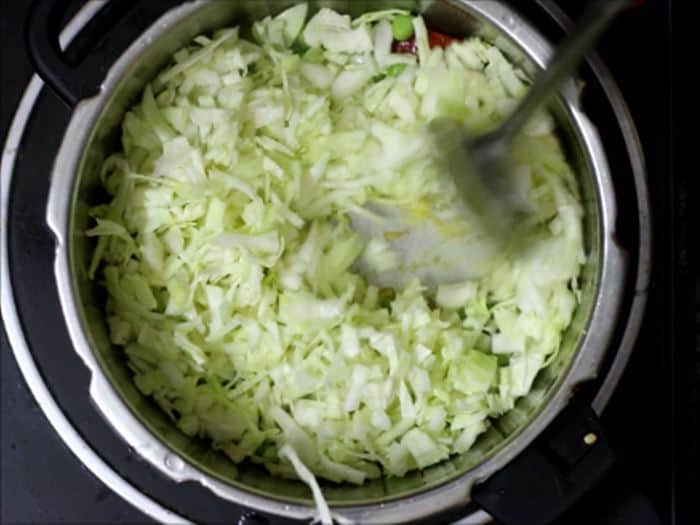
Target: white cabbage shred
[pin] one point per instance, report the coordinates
(226, 249)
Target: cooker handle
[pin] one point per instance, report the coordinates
(571, 457)
(77, 74)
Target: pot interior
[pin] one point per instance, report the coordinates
(454, 17)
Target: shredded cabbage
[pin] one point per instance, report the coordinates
(228, 255)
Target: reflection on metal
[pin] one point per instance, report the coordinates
(635, 154)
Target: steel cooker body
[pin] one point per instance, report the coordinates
(92, 134)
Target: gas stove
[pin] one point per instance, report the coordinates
(650, 416)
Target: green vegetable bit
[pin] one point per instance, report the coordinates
(385, 297)
(402, 27)
(299, 46)
(395, 70)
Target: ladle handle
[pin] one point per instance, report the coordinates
(569, 54)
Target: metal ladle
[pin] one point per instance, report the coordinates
(479, 168)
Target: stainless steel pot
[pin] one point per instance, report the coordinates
(93, 133)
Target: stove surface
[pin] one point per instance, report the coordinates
(650, 416)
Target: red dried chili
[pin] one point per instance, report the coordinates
(435, 39)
